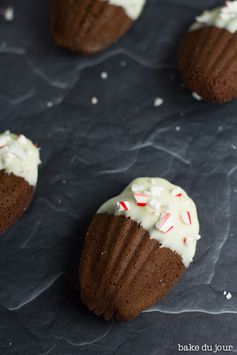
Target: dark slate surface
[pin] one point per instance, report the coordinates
(89, 153)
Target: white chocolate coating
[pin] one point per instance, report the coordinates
(222, 17)
(133, 8)
(19, 156)
(165, 216)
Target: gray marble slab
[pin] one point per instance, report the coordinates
(89, 153)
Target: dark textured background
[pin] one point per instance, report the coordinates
(89, 153)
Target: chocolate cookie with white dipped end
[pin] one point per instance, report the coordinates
(207, 56)
(137, 247)
(89, 26)
(19, 160)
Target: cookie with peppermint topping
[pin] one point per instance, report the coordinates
(137, 247)
(207, 56)
(19, 160)
(89, 26)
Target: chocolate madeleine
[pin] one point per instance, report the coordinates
(89, 26)
(19, 160)
(207, 56)
(137, 247)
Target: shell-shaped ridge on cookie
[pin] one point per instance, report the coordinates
(89, 26)
(133, 257)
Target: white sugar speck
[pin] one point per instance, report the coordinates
(234, 147)
(123, 63)
(220, 128)
(49, 104)
(158, 102)
(178, 129)
(104, 75)
(196, 96)
(227, 295)
(10, 343)
(94, 100)
(64, 181)
(59, 202)
(8, 13)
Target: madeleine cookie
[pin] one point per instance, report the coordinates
(207, 56)
(89, 26)
(19, 160)
(137, 247)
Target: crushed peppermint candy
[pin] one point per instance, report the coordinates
(191, 239)
(196, 96)
(149, 196)
(227, 295)
(138, 188)
(94, 100)
(204, 17)
(19, 156)
(104, 75)
(165, 223)
(179, 193)
(154, 204)
(158, 101)
(140, 198)
(8, 13)
(229, 10)
(123, 206)
(4, 139)
(156, 190)
(186, 217)
(49, 104)
(176, 191)
(165, 209)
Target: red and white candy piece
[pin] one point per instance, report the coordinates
(17, 151)
(140, 198)
(180, 194)
(229, 11)
(156, 190)
(165, 209)
(186, 217)
(4, 139)
(165, 223)
(177, 192)
(138, 188)
(123, 206)
(191, 239)
(22, 139)
(154, 204)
